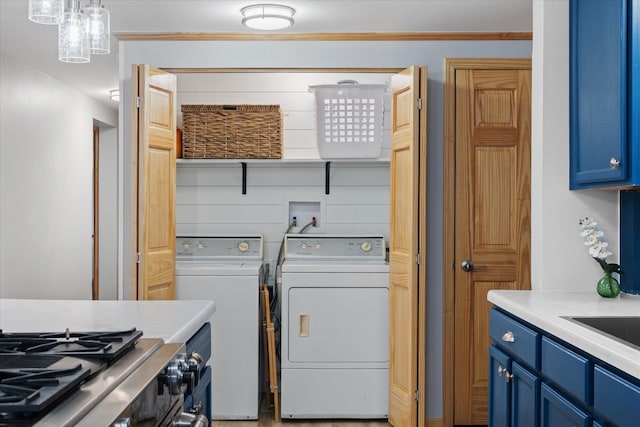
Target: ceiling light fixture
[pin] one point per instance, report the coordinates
(267, 16)
(80, 32)
(47, 12)
(99, 27)
(73, 37)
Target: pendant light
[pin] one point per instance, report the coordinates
(267, 16)
(45, 11)
(73, 37)
(98, 27)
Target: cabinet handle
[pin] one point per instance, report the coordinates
(508, 337)
(501, 370)
(507, 376)
(614, 163)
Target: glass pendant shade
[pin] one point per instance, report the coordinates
(45, 11)
(267, 16)
(73, 38)
(98, 27)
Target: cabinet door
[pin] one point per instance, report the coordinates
(598, 92)
(556, 411)
(499, 388)
(525, 397)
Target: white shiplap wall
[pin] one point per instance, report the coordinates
(209, 198)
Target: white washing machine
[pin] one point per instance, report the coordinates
(335, 327)
(227, 270)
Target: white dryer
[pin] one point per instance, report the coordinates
(227, 270)
(335, 327)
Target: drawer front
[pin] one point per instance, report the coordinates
(513, 336)
(555, 410)
(615, 397)
(568, 370)
(200, 342)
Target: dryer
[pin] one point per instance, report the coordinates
(227, 270)
(335, 327)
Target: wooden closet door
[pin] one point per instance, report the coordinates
(156, 162)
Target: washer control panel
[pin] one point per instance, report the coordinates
(219, 247)
(335, 247)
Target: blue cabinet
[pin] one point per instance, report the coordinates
(513, 392)
(536, 379)
(604, 94)
(557, 411)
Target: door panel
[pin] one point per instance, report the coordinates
(338, 325)
(408, 154)
(156, 183)
(492, 216)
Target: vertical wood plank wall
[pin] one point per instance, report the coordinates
(209, 198)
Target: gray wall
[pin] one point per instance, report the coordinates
(46, 190)
(292, 54)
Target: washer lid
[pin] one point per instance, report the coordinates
(333, 266)
(221, 268)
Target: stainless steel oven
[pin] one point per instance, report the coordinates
(96, 379)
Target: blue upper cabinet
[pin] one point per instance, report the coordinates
(604, 93)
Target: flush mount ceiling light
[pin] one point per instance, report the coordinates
(81, 32)
(267, 16)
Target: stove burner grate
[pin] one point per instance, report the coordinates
(101, 345)
(32, 390)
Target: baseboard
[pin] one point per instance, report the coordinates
(434, 422)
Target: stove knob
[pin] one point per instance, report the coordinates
(123, 422)
(189, 420)
(172, 379)
(195, 364)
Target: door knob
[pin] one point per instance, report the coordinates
(466, 265)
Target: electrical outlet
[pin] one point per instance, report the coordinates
(307, 217)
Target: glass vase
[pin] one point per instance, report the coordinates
(608, 286)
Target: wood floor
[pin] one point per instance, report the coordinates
(266, 420)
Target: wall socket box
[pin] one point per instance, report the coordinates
(304, 213)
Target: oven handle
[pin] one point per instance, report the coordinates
(190, 420)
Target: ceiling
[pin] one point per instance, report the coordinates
(36, 45)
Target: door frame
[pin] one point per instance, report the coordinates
(448, 221)
(95, 283)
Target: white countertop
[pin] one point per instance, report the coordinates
(547, 310)
(173, 321)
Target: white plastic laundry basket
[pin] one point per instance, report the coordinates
(349, 119)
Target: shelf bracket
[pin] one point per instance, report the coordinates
(327, 179)
(244, 177)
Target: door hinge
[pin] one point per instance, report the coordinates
(137, 102)
(419, 103)
(418, 258)
(416, 395)
(138, 258)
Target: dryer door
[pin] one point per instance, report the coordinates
(338, 325)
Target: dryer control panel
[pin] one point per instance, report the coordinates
(319, 247)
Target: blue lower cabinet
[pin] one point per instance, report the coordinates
(556, 411)
(615, 398)
(200, 401)
(525, 397)
(499, 388)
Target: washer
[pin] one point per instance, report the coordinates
(335, 327)
(227, 270)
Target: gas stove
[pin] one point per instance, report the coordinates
(80, 378)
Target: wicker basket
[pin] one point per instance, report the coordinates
(231, 132)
